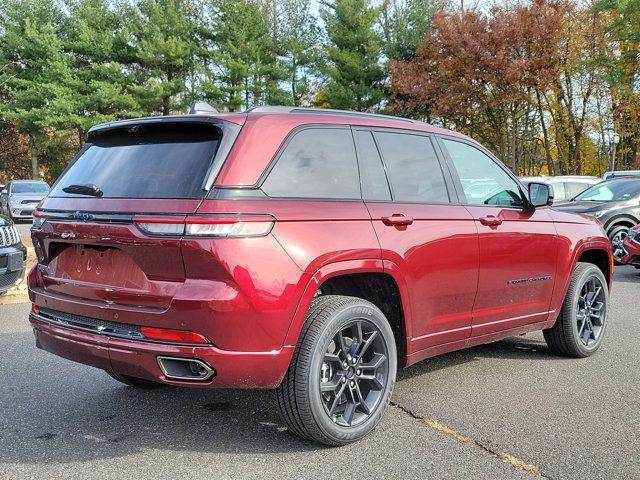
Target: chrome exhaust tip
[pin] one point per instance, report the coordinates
(189, 369)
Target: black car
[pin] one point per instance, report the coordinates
(615, 202)
(12, 255)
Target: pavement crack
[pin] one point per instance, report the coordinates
(503, 457)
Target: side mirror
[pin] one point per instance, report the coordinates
(540, 194)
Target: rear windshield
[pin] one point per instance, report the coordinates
(147, 161)
(29, 187)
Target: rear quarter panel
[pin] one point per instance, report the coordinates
(276, 276)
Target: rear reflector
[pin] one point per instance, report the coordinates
(206, 226)
(174, 336)
(35, 308)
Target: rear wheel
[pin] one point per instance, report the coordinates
(342, 374)
(580, 327)
(134, 381)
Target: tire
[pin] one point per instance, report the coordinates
(616, 235)
(354, 398)
(572, 335)
(135, 382)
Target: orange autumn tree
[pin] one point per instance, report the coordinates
(480, 74)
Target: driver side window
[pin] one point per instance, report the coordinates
(483, 181)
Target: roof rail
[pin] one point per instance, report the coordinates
(325, 111)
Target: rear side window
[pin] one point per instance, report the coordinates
(150, 161)
(372, 177)
(316, 163)
(413, 168)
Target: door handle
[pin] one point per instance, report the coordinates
(490, 221)
(397, 220)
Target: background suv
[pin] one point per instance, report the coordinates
(614, 202)
(313, 252)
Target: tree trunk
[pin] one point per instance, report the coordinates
(166, 100)
(514, 134)
(545, 136)
(35, 174)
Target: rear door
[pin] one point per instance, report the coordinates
(429, 238)
(89, 248)
(517, 244)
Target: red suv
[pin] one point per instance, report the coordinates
(308, 251)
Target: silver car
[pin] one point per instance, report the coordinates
(20, 197)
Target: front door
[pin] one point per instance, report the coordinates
(517, 243)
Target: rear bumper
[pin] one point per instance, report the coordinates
(139, 359)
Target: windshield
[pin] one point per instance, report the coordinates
(29, 187)
(151, 161)
(611, 191)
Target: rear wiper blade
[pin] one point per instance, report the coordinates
(88, 189)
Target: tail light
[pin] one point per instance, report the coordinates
(38, 220)
(224, 226)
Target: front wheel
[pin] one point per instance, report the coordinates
(341, 377)
(580, 327)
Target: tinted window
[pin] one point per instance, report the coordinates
(573, 189)
(413, 168)
(161, 161)
(372, 176)
(611, 191)
(483, 181)
(29, 187)
(316, 163)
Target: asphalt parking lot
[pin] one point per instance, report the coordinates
(505, 410)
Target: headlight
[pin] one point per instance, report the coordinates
(597, 213)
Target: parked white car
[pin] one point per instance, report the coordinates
(19, 198)
(565, 187)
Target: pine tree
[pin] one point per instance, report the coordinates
(353, 71)
(162, 47)
(405, 24)
(37, 81)
(300, 40)
(245, 71)
(94, 40)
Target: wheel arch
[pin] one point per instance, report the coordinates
(601, 259)
(621, 220)
(366, 279)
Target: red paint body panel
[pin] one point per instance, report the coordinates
(438, 257)
(460, 282)
(632, 247)
(517, 268)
